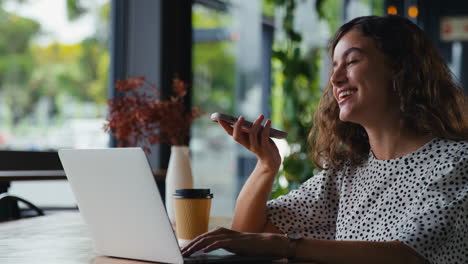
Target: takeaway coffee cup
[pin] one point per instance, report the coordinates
(192, 212)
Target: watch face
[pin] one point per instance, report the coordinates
(294, 236)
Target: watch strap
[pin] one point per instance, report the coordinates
(293, 240)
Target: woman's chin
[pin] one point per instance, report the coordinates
(345, 116)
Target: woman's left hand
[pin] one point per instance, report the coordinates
(247, 244)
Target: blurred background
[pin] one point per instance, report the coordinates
(59, 60)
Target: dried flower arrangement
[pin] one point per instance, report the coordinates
(138, 115)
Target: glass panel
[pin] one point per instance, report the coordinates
(214, 59)
(227, 52)
(53, 81)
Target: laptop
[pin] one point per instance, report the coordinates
(119, 201)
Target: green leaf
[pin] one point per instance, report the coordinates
(279, 54)
(319, 8)
(296, 82)
(74, 9)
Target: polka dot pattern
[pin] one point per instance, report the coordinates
(420, 199)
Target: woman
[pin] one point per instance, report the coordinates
(391, 137)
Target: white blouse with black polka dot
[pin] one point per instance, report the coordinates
(420, 199)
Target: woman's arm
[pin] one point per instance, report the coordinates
(250, 213)
(356, 252)
(307, 249)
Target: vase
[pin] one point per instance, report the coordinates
(178, 176)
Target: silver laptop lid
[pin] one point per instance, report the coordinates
(120, 202)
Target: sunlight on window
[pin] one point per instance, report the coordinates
(53, 74)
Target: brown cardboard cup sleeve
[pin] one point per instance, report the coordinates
(192, 212)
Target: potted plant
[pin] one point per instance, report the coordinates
(139, 116)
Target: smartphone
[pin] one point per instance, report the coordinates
(274, 133)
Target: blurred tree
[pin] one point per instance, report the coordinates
(16, 65)
(75, 9)
(30, 72)
(376, 6)
(214, 77)
(213, 64)
(79, 70)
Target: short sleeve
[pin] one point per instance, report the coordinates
(310, 210)
(438, 226)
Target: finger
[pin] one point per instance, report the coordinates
(196, 239)
(216, 231)
(219, 230)
(201, 244)
(238, 135)
(217, 245)
(253, 134)
(226, 127)
(266, 133)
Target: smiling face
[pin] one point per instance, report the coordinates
(361, 80)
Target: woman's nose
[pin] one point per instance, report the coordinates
(338, 76)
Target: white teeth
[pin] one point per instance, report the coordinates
(346, 93)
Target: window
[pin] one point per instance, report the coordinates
(54, 65)
(214, 75)
(227, 77)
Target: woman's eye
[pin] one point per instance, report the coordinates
(351, 62)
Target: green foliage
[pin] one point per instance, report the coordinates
(295, 95)
(213, 64)
(75, 9)
(73, 69)
(206, 18)
(330, 11)
(268, 8)
(377, 7)
(15, 63)
(29, 72)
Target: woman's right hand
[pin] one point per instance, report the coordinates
(256, 139)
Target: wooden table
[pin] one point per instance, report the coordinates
(56, 239)
(60, 238)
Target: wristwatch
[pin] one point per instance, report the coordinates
(293, 238)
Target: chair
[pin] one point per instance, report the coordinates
(25, 166)
(10, 203)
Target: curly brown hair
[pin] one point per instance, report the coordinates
(432, 102)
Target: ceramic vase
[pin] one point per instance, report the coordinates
(178, 176)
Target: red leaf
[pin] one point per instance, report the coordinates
(138, 115)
